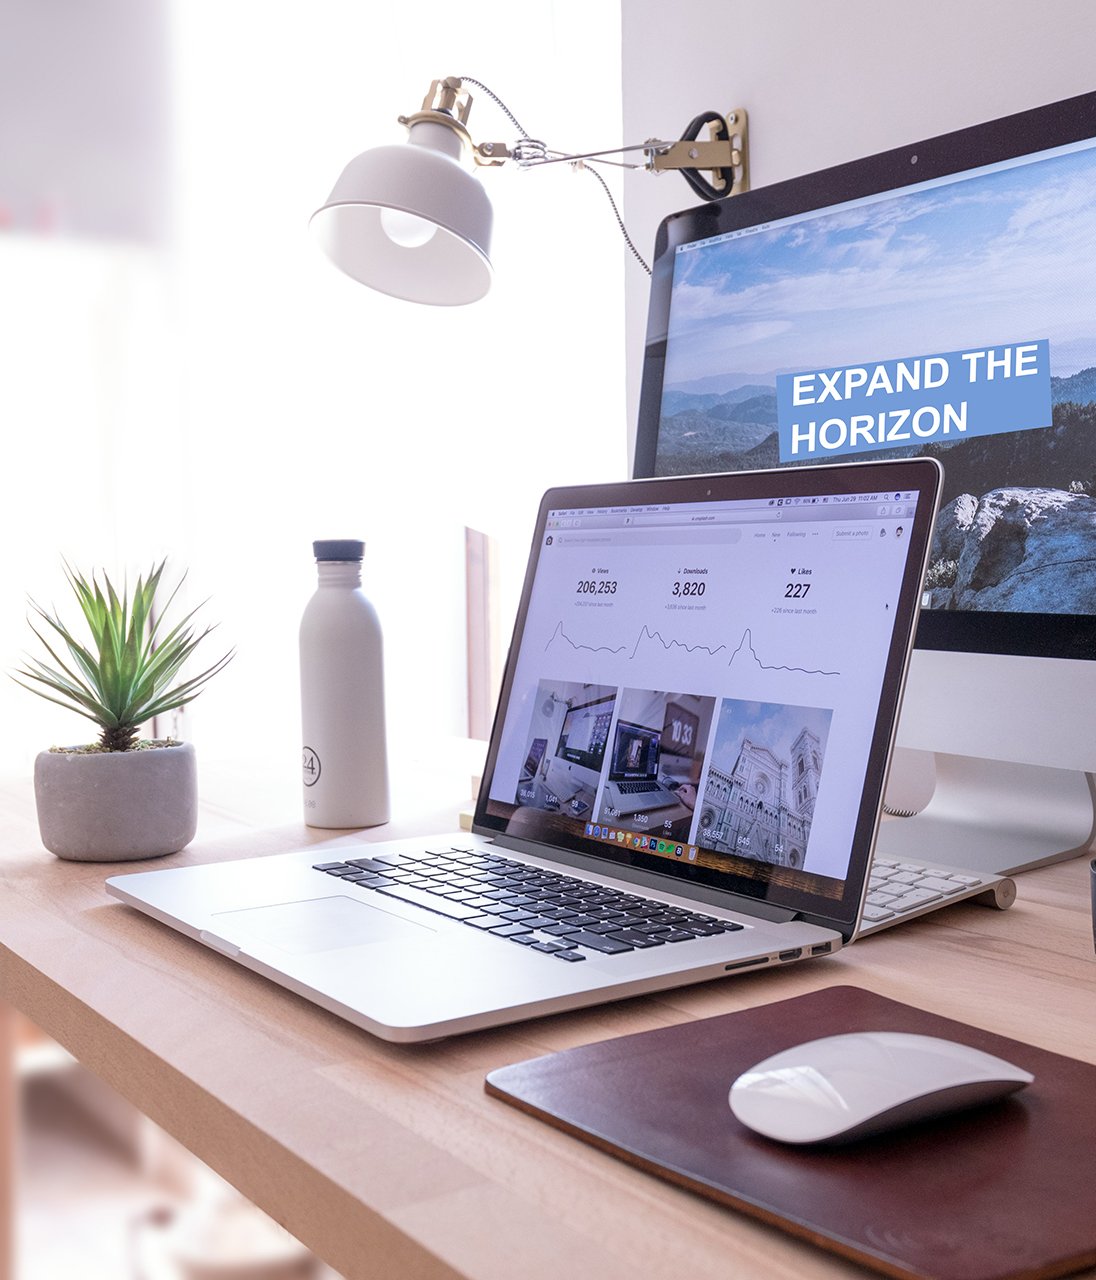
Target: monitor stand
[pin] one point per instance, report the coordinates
(996, 817)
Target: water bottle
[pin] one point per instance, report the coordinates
(345, 757)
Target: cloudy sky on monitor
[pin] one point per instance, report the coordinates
(1006, 256)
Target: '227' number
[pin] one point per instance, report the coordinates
(796, 590)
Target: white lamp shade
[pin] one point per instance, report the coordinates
(424, 179)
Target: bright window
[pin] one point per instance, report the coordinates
(224, 396)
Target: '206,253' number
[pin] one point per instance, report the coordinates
(796, 590)
(596, 587)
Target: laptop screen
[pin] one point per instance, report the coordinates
(715, 664)
(635, 753)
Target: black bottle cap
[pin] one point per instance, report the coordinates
(338, 549)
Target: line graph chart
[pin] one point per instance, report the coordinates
(743, 651)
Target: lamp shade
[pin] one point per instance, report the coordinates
(410, 221)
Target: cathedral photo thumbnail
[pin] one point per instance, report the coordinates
(762, 781)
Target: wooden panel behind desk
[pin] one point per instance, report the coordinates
(390, 1161)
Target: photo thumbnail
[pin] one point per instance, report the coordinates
(565, 746)
(654, 762)
(761, 782)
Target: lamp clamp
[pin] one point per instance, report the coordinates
(724, 154)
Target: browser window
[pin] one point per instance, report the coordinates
(700, 681)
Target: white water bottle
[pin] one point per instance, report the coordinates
(345, 757)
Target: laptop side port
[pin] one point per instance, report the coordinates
(821, 948)
(745, 964)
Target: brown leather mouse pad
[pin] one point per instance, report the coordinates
(1004, 1190)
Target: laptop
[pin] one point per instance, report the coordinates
(633, 785)
(764, 619)
(532, 760)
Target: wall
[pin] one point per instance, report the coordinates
(826, 81)
(218, 393)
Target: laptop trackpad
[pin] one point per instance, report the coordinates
(318, 924)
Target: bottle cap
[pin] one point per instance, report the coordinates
(338, 549)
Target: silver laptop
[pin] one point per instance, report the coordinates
(759, 624)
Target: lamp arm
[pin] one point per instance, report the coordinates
(725, 154)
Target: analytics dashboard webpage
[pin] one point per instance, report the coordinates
(701, 681)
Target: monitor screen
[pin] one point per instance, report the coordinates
(585, 732)
(935, 299)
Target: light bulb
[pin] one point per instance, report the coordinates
(407, 229)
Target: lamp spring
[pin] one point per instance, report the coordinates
(529, 151)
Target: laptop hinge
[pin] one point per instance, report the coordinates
(844, 928)
(649, 879)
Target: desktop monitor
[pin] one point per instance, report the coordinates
(935, 299)
(585, 732)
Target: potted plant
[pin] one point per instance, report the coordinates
(121, 797)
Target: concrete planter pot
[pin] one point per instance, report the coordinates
(116, 806)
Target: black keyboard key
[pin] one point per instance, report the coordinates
(509, 930)
(634, 939)
(482, 922)
(368, 864)
(330, 866)
(431, 901)
(607, 946)
(704, 930)
(569, 955)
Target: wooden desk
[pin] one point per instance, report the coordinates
(391, 1161)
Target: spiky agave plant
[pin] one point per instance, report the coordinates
(125, 677)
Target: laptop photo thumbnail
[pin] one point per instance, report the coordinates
(633, 785)
(743, 637)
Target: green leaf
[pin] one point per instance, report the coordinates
(125, 676)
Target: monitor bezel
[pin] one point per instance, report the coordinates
(1041, 635)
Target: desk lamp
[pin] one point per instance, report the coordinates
(411, 221)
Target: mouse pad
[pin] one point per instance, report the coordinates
(1003, 1190)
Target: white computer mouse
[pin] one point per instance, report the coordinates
(849, 1086)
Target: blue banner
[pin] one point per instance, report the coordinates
(948, 397)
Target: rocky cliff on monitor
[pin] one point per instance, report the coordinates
(1016, 550)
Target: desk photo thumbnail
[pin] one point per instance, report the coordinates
(655, 761)
(565, 747)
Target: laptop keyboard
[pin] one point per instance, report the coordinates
(636, 788)
(543, 910)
